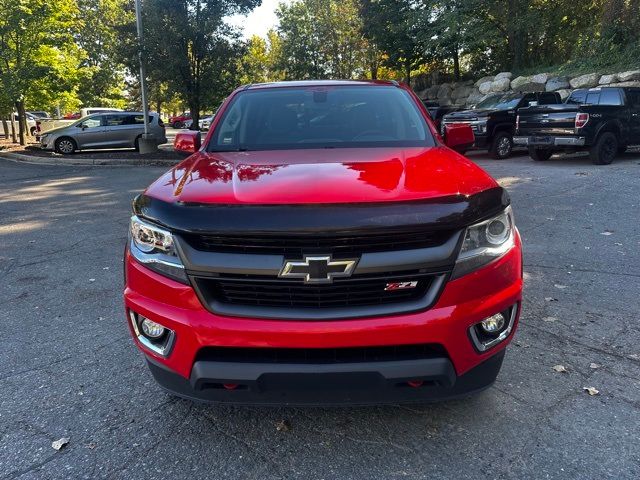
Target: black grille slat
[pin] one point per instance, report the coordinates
(299, 244)
(321, 355)
(282, 293)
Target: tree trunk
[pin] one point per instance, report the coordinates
(194, 107)
(516, 35)
(5, 128)
(22, 122)
(407, 68)
(456, 64)
(13, 128)
(373, 68)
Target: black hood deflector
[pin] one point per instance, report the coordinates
(450, 212)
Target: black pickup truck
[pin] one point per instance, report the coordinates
(602, 121)
(493, 120)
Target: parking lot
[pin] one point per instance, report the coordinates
(70, 369)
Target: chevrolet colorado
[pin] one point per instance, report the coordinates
(493, 120)
(323, 246)
(602, 121)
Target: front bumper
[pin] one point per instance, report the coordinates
(549, 141)
(462, 303)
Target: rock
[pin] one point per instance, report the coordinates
(422, 94)
(475, 97)
(500, 85)
(444, 91)
(516, 82)
(585, 81)
(608, 79)
(485, 87)
(444, 101)
(635, 83)
(432, 92)
(501, 75)
(484, 79)
(540, 78)
(557, 83)
(530, 87)
(564, 93)
(461, 92)
(629, 76)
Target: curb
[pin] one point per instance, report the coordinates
(87, 162)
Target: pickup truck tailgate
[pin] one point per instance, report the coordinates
(547, 120)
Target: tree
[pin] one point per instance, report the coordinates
(190, 48)
(38, 55)
(322, 39)
(259, 62)
(103, 79)
(394, 27)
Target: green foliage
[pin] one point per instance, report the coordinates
(190, 49)
(322, 39)
(259, 63)
(39, 59)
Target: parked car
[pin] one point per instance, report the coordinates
(180, 121)
(437, 111)
(323, 246)
(603, 121)
(31, 124)
(205, 123)
(494, 119)
(39, 114)
(103, 130)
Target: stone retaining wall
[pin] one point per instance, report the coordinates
(469, 92)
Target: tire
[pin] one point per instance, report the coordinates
(605, 149)
(622, 149)
(65, 146)
(34, 131)
(540, 154)
(501, 146)
(136, 143)
(178, 125)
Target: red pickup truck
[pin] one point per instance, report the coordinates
(323, 246)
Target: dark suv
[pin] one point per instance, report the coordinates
(602, 121)
(494, 119)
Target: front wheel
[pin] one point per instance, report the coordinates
(501, 146)
(540, 154)
(605, 149)
(178, 125)
(65, 146)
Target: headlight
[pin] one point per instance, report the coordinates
(484, 242)
(154, 247)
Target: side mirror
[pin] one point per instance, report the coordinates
(188, 141)
(459, 137)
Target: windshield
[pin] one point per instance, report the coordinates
(320, 117)
(500, 102)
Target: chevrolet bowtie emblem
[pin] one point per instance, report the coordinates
(318, 269)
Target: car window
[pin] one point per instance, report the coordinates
(634, 97)
(547, 98)
(610, 96)
(321, 117)
(91, 122)
(592, 98)
(577, 97)
(501, 101)
(116, 120)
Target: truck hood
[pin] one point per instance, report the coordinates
(321, 176)
(470, 114)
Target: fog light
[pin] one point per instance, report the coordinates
(151, 329)
(493, 324)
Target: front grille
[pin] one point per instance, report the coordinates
(295, 245)
(356, 291)
(321, 355)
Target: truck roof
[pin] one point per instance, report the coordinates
(320, 83)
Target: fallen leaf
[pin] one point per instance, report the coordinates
(607, 232)
(634, 356)
(591, 390)
(594, 365)
(559, 286)
(91, 446)
(618, 244)
(58, 444)
(560, 368)
(105, 268)
(283, 426)
(92, 279)
(550, 299)
(549, 319)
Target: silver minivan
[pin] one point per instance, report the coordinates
(103, 130)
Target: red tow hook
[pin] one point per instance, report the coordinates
(415, 383)
(230, 386)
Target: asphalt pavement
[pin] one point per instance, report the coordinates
(70, 370)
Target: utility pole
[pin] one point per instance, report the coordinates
(147, 143)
